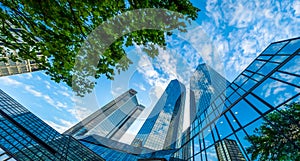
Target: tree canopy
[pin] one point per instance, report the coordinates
(51, 32)
(278, 139)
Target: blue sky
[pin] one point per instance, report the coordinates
(238, 30)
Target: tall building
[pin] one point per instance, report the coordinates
(205, 85)
(228, 150)
(265, 86)
(220, 130)
(23, 136)
(110, 121)
(164, 124)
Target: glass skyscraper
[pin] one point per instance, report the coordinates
(112, 120)
(225, 118)
(164, 124)
(228, 150)
(205, 85)
(23, 136)
(265, 86)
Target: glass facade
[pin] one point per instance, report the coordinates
(226, 115)
(164, 124)
(110, 121)
(25, 137)
(127, 123)
(228, 150)
(265, 86)
(205, 85)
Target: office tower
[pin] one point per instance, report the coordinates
(127, 123)
(228, 150)
(163, 126)
(23, 136)
(205, 85)
(110, 121)
(265, 86)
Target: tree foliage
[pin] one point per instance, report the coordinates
(278, 139)
(51, 32)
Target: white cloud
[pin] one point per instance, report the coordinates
(32, 91)
(64, 93)
(47, 84)
(296, 7)
(9, 82)
(61, 126)
(142, 87)
(38, 78)
(57, 127)
(61, 105)
(248, 27)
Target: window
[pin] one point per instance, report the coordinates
(258, 104)
(275, 92)
(256, 65)
(240, 80)
(249, 84)
(264, 57)
(274, 47)
(267, 68)
(232, 120)
(244, 112)
(292, 66)
(257, 77)
(223, 127)
(287, 78)
(196, 144)
(279, 59)
(291, 47)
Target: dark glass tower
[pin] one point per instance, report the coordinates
(163, 125)
(228, 150)
(110, 121)
(26, 137)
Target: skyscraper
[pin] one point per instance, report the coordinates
(228, 150)
(205, 85)
(26, 137)
(264, 87)
(163, 125)
(110, 121)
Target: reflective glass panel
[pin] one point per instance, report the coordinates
(292, 66)
(291, 47)
(287, 78)
(275, 92)
(256, 65)
(223, 127)
(244, 112)
(267, 68)
(273, 48)
(258, 104)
